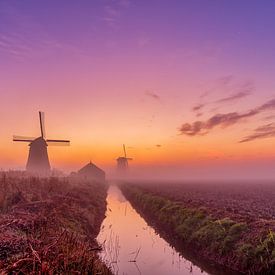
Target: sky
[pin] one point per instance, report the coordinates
(188, 86)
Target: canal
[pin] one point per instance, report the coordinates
(131, 246)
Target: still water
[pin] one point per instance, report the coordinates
(131, 246)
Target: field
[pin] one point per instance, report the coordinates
(232, 225)
(48, 226)
(249, 201)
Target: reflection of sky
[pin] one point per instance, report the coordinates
(123, 71)
(125, 230)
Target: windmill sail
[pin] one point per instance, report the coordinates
(42, 124)
(23, 139)
(57, 142)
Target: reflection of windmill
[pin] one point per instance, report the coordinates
(38, 160)
(122, 162)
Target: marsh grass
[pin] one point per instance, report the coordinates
(49, 225)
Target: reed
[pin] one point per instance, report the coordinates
(49, 225)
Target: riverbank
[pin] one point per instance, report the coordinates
(131, 246)
(240, 246)
(49, 225)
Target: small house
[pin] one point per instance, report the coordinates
(92, 172)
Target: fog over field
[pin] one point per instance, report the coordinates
(137, 137)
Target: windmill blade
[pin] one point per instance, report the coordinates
(129, 159)
(42, 124)
(23, 139)
(124, 149)
(58, 142)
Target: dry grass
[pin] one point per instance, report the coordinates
(48, 226)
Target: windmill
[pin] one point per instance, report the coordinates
(122, 162)
(38, 160)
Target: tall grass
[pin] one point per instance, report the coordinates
(49, 225)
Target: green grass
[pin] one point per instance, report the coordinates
(223, 238)
(261, 254)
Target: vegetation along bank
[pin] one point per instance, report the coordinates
(238, 245)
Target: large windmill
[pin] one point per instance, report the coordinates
(122, 162)
(38, 160)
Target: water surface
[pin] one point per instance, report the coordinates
(131, 246)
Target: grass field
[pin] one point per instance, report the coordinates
(48, 226)
(231, 225)
(238, 200)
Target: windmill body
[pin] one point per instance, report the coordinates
(122, 162)
(38, 161)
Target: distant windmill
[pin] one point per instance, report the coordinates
(122, 162)
(38, 160)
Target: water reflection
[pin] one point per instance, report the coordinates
(132, 247)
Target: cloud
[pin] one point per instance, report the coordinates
(152, 95)
(199, 114)
(198, 107)
(192, 129)
(26, 39)
(14, 45)
(264, 131)
(245, 89)
(234, 97)
(113, 12)
(223, 120)
(111, 16)
(225, 80)
(269, 117)
(268, 105)
(236, 91)
(205, 94)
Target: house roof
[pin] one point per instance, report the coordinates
(90, 167)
